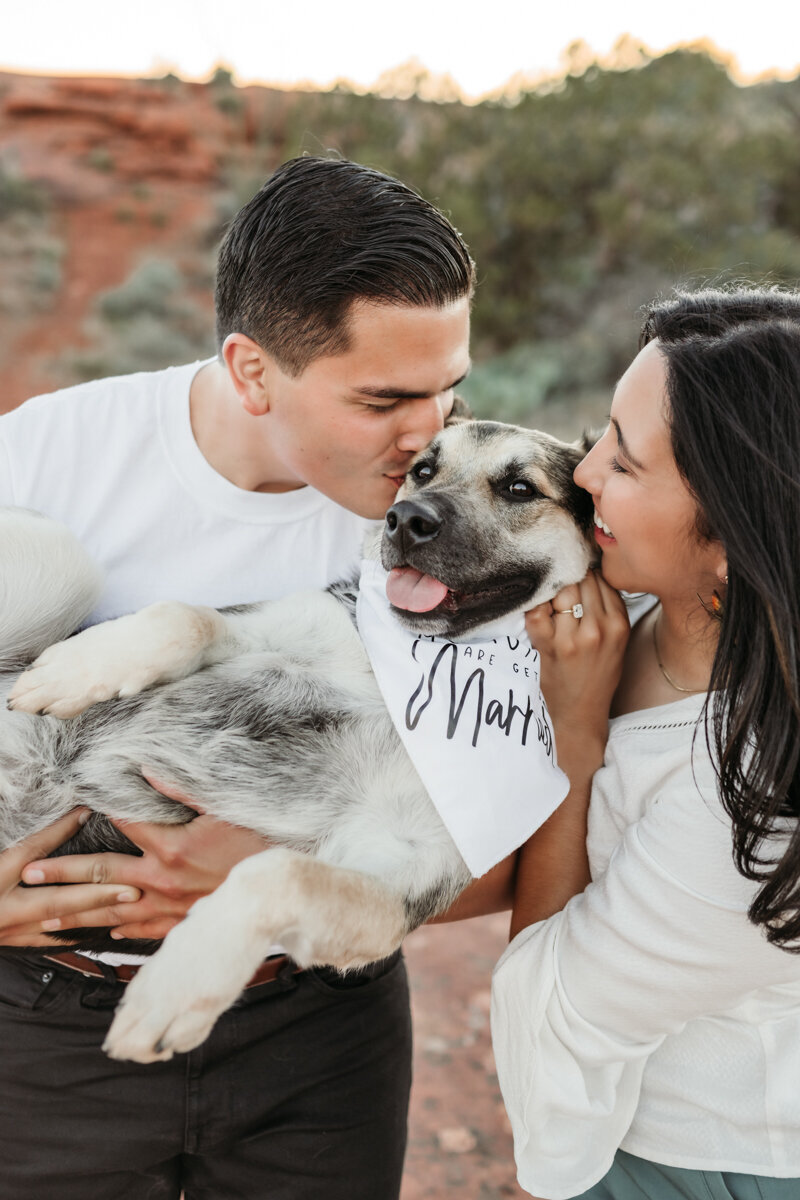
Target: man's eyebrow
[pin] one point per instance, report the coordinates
(389, 393)
(624, 447)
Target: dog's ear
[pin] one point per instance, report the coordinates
(588, 439)
(459, 413)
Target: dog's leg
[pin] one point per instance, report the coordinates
(170, 640)
(321, 914)
(163, 642)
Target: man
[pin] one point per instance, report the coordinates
(343, 325)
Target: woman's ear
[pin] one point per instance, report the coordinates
(722, 566)
(247, 366)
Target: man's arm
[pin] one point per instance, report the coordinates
(181, 863)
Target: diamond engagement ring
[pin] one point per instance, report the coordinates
(576, 611)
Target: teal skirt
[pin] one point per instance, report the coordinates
(632, 1178)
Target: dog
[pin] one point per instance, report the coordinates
(269, 715)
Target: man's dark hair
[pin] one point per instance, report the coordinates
(320, 234)
(733, 390)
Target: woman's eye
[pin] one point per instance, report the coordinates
(520, 489)
(617, 466)
(422, 471)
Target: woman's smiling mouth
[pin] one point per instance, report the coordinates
(601, 530)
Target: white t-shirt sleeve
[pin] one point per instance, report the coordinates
(6, 476)
(581, 1001)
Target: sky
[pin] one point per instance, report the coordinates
(320, 41)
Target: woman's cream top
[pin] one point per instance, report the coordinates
(650, 1013)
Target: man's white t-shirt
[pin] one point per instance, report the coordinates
(117, 462)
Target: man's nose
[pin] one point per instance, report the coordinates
(425, 418)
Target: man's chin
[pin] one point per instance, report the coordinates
(370, 502)
(372, 509)
(380, 499)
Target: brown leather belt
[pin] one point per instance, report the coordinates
(269, 970)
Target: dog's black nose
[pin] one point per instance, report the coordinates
(410, 523)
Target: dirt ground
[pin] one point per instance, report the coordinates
(459, 1138)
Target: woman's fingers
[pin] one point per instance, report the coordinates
(39, 845)
(580, 637)
(564, 601)
(59, 908)
(610, 598)
(84, 904)
(170, 790)
(156, 929)
(113, 870)
(26, 912)
(539, 626)
(40, 933)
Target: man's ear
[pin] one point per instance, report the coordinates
(247, 366)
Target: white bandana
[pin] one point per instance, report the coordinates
(473, 720)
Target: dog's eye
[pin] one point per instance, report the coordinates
(422, 471)
(520, 489)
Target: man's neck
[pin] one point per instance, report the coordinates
(231, 440)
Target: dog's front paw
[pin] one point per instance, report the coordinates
(118, 658)
(174, 1001)
(73, 675)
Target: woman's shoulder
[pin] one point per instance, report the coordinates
(659, 776)
(678, 818)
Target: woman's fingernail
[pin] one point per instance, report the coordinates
(53, 923)
(128, 894)
(84, 817)
(30, 876)
(116, 936)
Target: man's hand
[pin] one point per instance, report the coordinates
(27, 914)
(180, 863)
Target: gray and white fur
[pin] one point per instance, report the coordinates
(270, 717)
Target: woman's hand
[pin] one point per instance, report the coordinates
(581, 664)
(581, 657)
(28, 913)
(179, 864)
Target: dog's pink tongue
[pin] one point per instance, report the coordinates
(412, 591)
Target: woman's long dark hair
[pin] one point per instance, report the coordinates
(733, 384)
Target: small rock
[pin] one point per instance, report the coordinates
(459, 1140)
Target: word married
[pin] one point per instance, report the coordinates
(512, 716)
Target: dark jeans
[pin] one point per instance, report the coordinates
(301, 1091)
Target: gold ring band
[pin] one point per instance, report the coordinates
(576, 611)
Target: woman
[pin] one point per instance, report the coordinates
(659, 1011)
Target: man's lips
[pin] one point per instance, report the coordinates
(396, 476)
